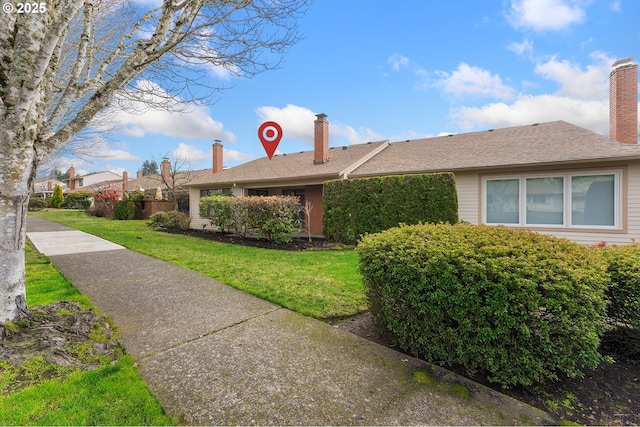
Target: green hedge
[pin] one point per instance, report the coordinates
(275, 217)
(124, 210)
(77, 200)
(517, 305)
(172, 220)
(355, 207)
(624, 290)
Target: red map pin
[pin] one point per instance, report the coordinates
(270, 134)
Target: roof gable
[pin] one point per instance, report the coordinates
(289, 166)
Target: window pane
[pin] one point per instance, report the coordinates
(592, 200)
(503, 201)
(545, 200)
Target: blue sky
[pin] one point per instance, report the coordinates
(397, 70)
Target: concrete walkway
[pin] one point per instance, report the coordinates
(217, 356)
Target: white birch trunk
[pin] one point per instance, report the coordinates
(16, 176)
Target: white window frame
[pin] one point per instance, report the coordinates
(567, 199)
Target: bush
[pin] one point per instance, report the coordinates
(172, 220)
(56, 199)
(274, 217)
(355, 207)
(77, 200)
(520, 306)
(624, 290)
(217, 208)
(37, 203)
(124, 210)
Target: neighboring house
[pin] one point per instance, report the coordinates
(554, 177)
(160, 186)
(91, 180)
(43, 187)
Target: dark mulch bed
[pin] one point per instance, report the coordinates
(608, 395)
(297, 244)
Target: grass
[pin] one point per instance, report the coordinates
(48, 394)
(321, 284)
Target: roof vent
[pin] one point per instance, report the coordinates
(345, 147)
(535, 124)
(450, 135)
(490, 130)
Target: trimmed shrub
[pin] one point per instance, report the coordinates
(274, 217)
(56, 199)
(355, 207)
(37, 203)
(124, 210)
(78, 200)
(520, 306)
(624, 290)
(217, 208)
(172, 220)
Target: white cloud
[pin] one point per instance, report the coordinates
(593, 115)
(545, 15)
(297, 123)
(468, 80)
(587, 84)
(189, 153)
(234, 156)
(582, 99)
(139, 118)
(615, 6)
(398, 61)
(522, 49)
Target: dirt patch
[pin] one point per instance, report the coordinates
(52, 340)
(608, 395)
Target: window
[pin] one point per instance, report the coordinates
(581, 200)
(503, 201)
(214, 191)
(548, 191)
(593, 200)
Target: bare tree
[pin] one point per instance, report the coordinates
(307, 208)
(174, 174)
(63, 62)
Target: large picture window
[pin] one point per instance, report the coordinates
(581, 200)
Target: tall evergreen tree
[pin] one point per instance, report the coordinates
(149, 167)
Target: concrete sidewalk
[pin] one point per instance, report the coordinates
(217, 356)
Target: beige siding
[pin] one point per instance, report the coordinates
(468, 197)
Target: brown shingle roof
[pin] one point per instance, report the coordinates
(544, 143)
(284, 167)
(537, 144)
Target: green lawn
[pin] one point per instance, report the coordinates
(113, 394)
(322, 284)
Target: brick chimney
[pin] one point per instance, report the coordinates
(165, 169)
(72, 178)
(623, 101)
(320, 139)
(217, 157)
(125, 178)
(138, 174)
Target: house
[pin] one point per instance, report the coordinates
(167, 185)
(92, 180)
(43, 187)
(555, 177)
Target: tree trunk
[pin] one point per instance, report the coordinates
(16, 177)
